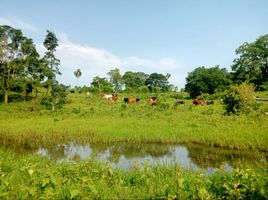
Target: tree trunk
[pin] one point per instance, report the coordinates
(6, 97)
(36, 91)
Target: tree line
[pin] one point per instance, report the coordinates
(131, 82)
(23, 72)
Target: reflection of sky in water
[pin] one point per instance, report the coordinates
(175, 155)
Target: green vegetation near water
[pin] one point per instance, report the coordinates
(91, 119)
(37, 178)
(88, 118)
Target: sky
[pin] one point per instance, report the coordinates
(162, 36)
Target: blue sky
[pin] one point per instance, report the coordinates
(163, 36)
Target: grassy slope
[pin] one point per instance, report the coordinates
(89, 118)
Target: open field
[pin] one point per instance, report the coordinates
(92, 119)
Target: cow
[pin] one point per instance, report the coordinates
(152, 101)
(198, 102)
(109, 97)
(130, 100)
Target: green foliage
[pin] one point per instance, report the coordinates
(252, 65)
(51, 62)
(143, 89)
(163, 106)
(57, 97)
(116, 79)
(134, 80)
(240, 99)
(17, 55)
(207, 80)
(77, 74)
(36, 178)
(157, 80)
(101, 85)
(240, 184)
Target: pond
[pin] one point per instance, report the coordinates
(126, 156)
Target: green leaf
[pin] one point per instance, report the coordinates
(74, 193)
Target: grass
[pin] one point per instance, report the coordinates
(91, 119)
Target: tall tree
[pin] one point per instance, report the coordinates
(77, 74)
(116, 79)
(252, 63)
(134, 80)
(157, 80)
(207, 80)
(51, 42)
(35, 68)
(12, 56)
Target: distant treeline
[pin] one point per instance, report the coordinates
(23, 72)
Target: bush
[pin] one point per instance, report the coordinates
(57, 97)
(240, 99)
(143, 89)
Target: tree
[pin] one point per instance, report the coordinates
(13, 56)
(134, 80)
(51, 42)
(77, 74)
(252, 64)
(157, 80)
(35, 68)
(116, 79)
(207, 80)
(101, 84)
(57, 96)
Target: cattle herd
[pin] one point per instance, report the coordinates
(152, 100)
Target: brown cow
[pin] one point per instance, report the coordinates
(198, 102)
(152, 101)
(130, 100)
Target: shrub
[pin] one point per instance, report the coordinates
(240, 99)
(143, 89)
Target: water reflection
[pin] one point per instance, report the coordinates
(126, 156)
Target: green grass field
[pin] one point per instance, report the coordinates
(91, 119)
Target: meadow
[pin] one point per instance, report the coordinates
(88, 118)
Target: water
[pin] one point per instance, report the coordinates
(126, 156)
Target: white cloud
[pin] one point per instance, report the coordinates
(17, 23)
(97, 62)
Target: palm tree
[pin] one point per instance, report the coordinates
(77, 74)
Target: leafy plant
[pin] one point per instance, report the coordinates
(240, 99)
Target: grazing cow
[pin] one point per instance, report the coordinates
(130, 100)
(209, 102)
(198, 102)
(109, 97)
(152, 101)
(179, 101)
